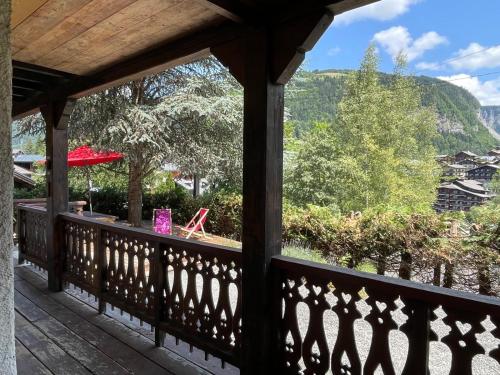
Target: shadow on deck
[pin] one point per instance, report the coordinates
(62, 333)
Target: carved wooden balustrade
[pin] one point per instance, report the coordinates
(31, 234)
(188, 289)
(330, 320)
(346, 322)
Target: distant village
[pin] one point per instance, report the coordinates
(465, 180)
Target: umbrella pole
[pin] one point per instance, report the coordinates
(90, 190)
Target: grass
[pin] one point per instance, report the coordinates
(301, 251)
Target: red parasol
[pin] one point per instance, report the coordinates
(84, 156)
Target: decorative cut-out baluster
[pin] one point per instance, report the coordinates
(347, 312)
(462, 339)
(315, 348)
(382, 323)
(293, 341)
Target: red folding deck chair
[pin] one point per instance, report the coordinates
(197, 222)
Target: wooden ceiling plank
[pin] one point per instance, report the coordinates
(99, 35)
(42, 20)
(71, 27)
(22, 9)
(160, 29)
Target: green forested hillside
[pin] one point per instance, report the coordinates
(314, 96)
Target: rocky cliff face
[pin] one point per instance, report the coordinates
(490, 117)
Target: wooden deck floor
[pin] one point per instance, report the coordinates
(61, 333)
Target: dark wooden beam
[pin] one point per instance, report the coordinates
(293, 39)
(262, 204)
(230, 55)
(290, 39)
(40, 70)
(233, 10)
(30, 85)
(56, 115)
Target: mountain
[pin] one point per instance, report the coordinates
(462, 123)
(490, 116)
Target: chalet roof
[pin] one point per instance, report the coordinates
(468, 153)
(28, 158)
(472, 187)
(457, 166)
(65, 48)
(21, 175)
(494, 166)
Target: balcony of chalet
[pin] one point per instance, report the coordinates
(100, 298)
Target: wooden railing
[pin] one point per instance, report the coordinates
(31, 234)
(346, 322)
(329, 319)
(188, 289)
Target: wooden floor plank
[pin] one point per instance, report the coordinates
(27, 363)
(45, 350)
(81, 318)
(85, 353)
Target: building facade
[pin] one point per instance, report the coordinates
(483, 173)
(461, 195)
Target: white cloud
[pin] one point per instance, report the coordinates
(383, 10)
(475, 57)
(472, 58)
(398, 39)
(333, 51)
(429, 66)
(488, 92)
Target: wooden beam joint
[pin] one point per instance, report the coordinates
(288, 43)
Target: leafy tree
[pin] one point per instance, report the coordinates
(318, 171)
(190, 116)
(381, 154)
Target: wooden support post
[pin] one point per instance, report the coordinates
(56, 116)
(263, 62)
(262, 203)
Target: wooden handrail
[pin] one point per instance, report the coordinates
(430, 294)
(152, 236)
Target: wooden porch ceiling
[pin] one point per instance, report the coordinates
(74, 47)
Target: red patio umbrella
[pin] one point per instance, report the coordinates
(85, 156)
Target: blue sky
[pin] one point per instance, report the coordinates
(455, 40)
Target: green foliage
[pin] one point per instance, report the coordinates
(298, 250)
(378, 153)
